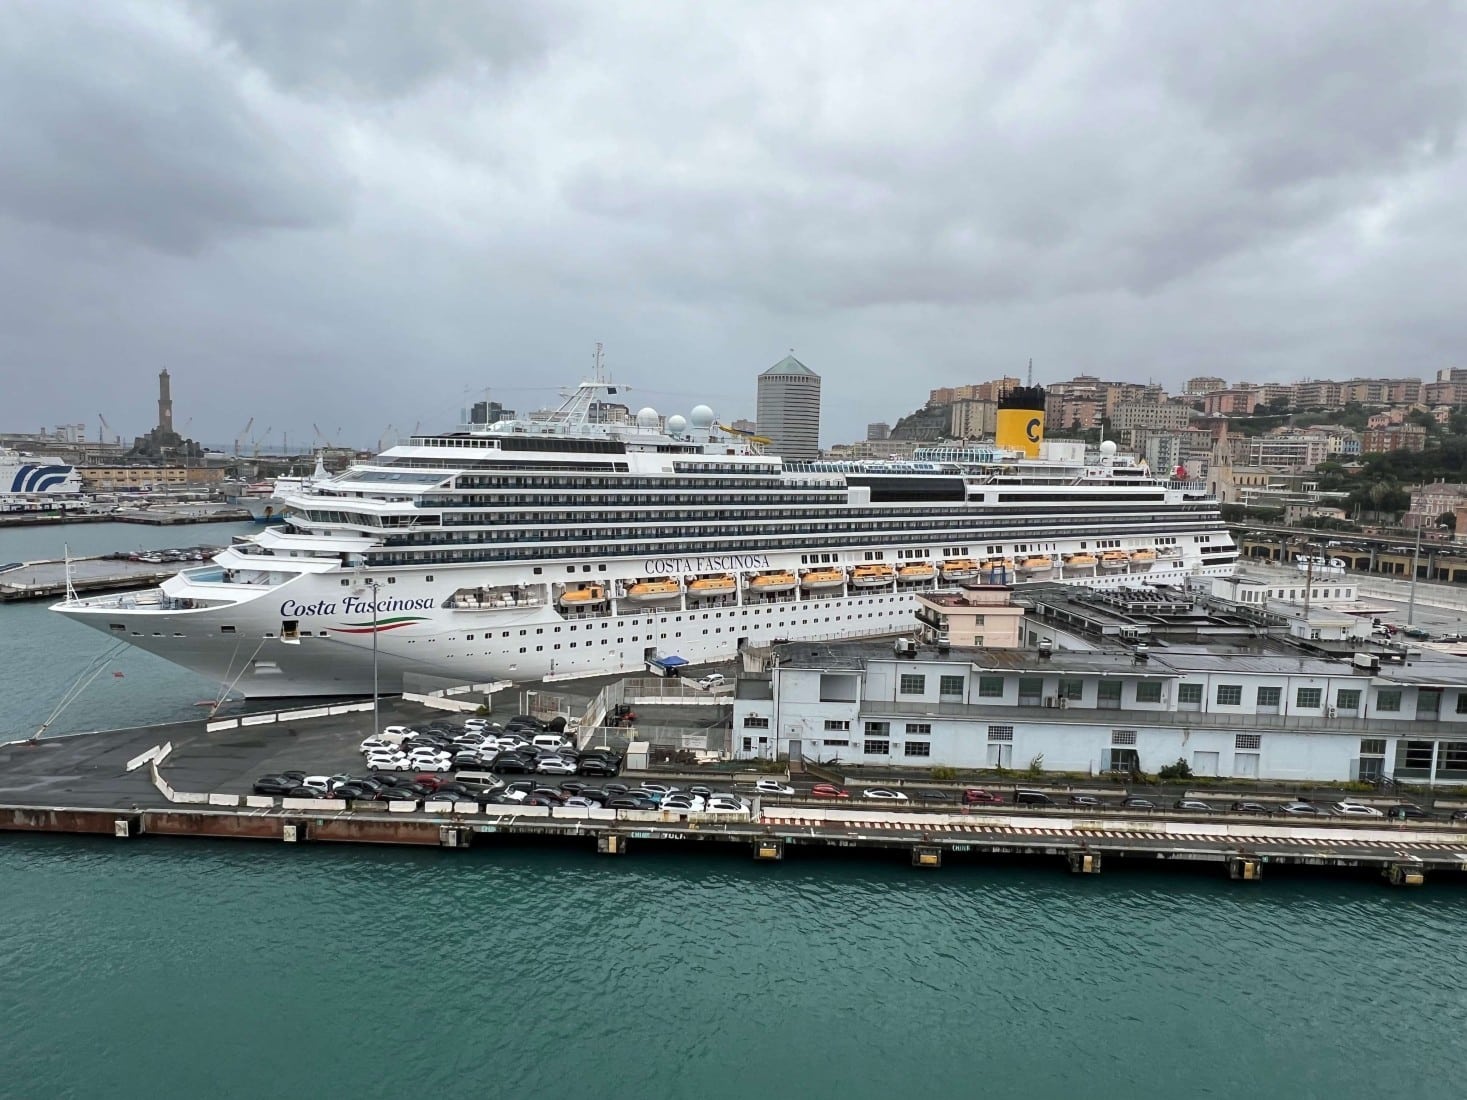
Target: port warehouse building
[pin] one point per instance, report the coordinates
(1237, 713)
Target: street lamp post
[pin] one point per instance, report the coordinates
(376, 718)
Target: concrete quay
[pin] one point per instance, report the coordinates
(774, 833)
(185, 781)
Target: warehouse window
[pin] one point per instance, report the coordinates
(879, 729)
(1122, 737)
(837, 724)
(756, 721)
(1148, 691)
(919, 728)
(990, 687)
(1309, 698)
(950, 686)
(912, 683)
(878, 748)
(1388, 700)
(1071, 689)
(1229, 695)
(1000, 733)
(917, 748)
(1248, 741)
(1270, 696)
(1189, 693)
(1350, 700)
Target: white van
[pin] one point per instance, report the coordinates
(552, 741)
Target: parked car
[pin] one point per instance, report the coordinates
(595, 765)
(273, 784)
(627, 802)
(772, 786)
(1084, 800)
(305, 792)
(977, 796)
(930, 795)
(1407, 811)
(1192, 804)
(1355, 809)
(1134, 803)
(884, 793)
(1301, 809)
(727, 802)
(396, 794)
(711, 681)
(1416, 632)
(828, 790)
(1032, 798)
(555, 767)
(1251, 808)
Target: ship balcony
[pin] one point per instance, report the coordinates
(154, 600)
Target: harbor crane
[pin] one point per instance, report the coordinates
(244, 433)
(104, 426)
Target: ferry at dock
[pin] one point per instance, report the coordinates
(32, 483)
(529, 549)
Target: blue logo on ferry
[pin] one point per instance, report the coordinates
(33, 478)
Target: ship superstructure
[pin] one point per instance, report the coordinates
(532, 549)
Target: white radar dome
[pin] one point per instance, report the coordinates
(702, 416)
(676, 425)
(1108, 447)
(647, 418)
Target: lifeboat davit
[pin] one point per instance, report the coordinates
(651, 591)
(592, 595)
(959, 569)
(1114, 561)
(917, 571)
(1081, 563)
(871, 576)
(1143, 558)
(1036, 566)
(721, 585)
(816, 579)
(781, 581)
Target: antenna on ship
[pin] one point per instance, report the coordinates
(70, 588)
(599, 362)
(1030, 381)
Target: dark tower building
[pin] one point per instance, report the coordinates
(165, 404)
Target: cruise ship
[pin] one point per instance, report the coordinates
(534, 549)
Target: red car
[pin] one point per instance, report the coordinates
(429, 780)
(974, 795)
(828, 790)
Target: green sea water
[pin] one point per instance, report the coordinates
(197, 969)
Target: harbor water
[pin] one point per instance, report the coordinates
(43, 654)
(161, 969)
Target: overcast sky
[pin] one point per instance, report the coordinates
(366, 214)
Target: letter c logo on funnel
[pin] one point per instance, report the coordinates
(1031, 429)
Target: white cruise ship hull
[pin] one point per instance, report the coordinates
(331, 652)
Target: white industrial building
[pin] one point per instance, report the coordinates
(1259, 711)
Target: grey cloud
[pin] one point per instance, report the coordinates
(123, 125)
(381, 48)
(352, 213)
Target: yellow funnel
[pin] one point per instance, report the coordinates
(1020, 430)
